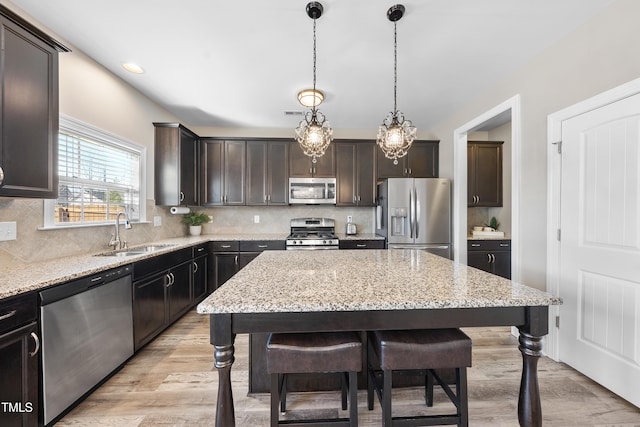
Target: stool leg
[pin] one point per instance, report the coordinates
(386, 398)
(343, 382)
(461, 391)
(275, 398)
(428, 388)
(283, 393)
(370, 389)
(353, 394)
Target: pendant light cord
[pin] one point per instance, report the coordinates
(395, 67)
(314, 64)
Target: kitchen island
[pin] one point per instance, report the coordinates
(306, 291)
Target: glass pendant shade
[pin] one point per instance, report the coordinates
(314, 133)
(396, 134)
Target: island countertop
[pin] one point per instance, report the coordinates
(356, 280)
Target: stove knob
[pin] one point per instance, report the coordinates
(324, 242)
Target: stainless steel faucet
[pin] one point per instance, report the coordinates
(115, 238)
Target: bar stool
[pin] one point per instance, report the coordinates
(423, 350)
(290, 353)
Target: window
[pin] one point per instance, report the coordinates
(100, 175)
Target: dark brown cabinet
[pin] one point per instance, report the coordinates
(355, 173)
(28, 109)
(493, 256)
(484, 173)
(267, 173)
(420, 162)
(161, 293)
(176, 165)
(200, 272)
(230, 256)
(19, 359)
(362, 244)
(223, 172)
(301, 165)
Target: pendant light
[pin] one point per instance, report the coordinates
(396, 134)
(314, 133)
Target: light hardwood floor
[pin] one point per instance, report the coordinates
(172, 382)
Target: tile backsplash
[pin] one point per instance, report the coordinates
(34, 245)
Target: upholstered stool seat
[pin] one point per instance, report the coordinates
(291, 353)
(424, 350)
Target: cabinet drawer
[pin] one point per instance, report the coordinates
(262, 245)
(226, 246)
(362, 244)
(160, 263)
(18, 310)
(200, 250)
(488, 245)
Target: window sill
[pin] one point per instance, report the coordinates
(73, 226)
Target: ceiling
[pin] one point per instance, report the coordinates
(241, 63)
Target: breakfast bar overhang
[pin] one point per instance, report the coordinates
(306, 291)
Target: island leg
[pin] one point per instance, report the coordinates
(529, 409)
(222, 340)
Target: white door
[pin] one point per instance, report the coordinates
(600, 246)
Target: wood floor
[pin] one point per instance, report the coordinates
(172, 382)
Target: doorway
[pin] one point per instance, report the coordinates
(497, 117)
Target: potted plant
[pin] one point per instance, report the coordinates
(493, 223)
(195, 220)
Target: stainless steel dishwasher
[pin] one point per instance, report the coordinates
(87, 333)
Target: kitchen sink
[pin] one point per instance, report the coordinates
(135, 251)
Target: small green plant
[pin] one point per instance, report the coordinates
(493, 223)
(195, 218)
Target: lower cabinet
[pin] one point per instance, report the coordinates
(200, 272)
(19, 359)
(493, 256)
(230, 256)
(164, 288)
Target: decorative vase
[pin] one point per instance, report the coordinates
(195, 230)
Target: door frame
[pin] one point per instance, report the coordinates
(554, 171)
(512, 106)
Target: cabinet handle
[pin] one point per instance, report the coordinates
(263, 246)
(311, 170)
(8, 315)
(265, 197)
(236, 258)
(181, 196)
(475, 245)
(269, 198)
(410, 171)
(1, 175)
(361, 245)
(37, 340)
(489, 258)
(504, 245)
(200, 249)
(405, 171)
(195, 267)
(225, 246)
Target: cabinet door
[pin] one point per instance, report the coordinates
(278, 173)
(502, 264)
(212, 172)
(226, 265)
(175, 164)
(471, 175)
(385, 167)
(28, 114)
(19, 376)
(199, 278)
(346, 174)
(422, 159)
(257, 169)
(246, 258)
(188, 168)
(234, 172)
(366, 174)
(300, 165)
(179, 290)
(484, 172)
(481, 260)
(149, 315)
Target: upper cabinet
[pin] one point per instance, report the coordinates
(355, 173)
(420, 162)
(28, 109)
(300, 164)
(223, 172)
(267, 172)
(176, 165)
(484, 173)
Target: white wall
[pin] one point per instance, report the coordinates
(598, 56)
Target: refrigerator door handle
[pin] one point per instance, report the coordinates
(417, 212)
(411, 213)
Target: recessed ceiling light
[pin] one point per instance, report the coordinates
(133, 68)
(310, 97)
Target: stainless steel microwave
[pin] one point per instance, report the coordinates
(312, 191)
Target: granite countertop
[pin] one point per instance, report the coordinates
(40, 275)
(354, 280)
(359, 236)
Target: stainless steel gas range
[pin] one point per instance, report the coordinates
(312, 233)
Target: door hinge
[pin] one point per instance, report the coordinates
(559, 146)
(558, 235)
(557, 321)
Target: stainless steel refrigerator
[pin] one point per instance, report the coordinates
(415, 213)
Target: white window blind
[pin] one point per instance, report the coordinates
(99, 176)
